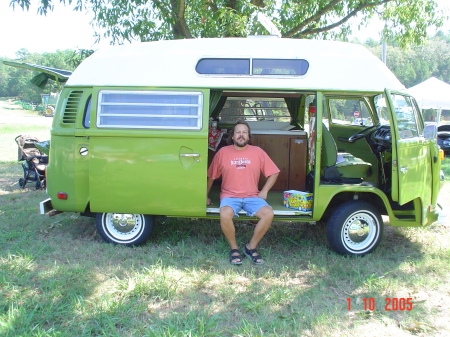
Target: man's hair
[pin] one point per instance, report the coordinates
(230, 137)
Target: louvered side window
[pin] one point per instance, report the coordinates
(71, 109)
(179, 110)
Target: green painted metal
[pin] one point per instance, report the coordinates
(126, 171)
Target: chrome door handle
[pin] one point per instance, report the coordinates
(190, 155)
(403, 169)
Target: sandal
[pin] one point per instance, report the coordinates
(235, 259)
(253, 255)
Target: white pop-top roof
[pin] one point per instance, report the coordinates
(332, 65)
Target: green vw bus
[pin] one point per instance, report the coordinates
(136, 127)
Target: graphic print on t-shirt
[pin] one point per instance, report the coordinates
(241, 163)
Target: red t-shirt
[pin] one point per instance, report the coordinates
(240, 170)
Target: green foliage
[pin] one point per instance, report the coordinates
(141, 20)
(399, 20)
(418, 63)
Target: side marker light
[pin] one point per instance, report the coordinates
(62, 195)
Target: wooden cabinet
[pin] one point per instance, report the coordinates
(289, 154)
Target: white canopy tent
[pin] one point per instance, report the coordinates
(432, 94)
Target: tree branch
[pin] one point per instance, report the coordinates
(297, 31)
(180, 27)
(312, 18)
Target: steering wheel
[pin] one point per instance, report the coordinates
(363, 133)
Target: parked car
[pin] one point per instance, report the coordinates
(443, 139)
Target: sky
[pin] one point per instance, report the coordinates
(61, 29)
(67, 29)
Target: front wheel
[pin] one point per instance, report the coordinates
(354, 228)
(124, 229)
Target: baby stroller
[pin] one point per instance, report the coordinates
(34, 161)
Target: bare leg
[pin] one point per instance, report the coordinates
(228, 229)
(227, 225)
(265, 215)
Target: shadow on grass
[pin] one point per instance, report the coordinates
(58, 278)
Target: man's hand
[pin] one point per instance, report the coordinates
(268, 185)
(262, 195)
(208, 188)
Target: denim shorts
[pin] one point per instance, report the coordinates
(250, 205)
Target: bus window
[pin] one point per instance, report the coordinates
(349, 111)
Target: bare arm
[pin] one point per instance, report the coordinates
(209, 185)
(268, 185)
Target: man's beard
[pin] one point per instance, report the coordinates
(243, 144)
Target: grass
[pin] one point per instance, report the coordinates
(57, 278)
(26, 122)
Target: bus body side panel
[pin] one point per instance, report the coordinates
(67, 169)
(68, 174)
(412, 170)
(148, 170)
(147, 175)
(82, 172)
(329, 192)
(61, 173)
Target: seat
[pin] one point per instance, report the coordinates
(341, 166)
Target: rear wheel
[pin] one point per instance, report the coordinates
(22, 182)
(124, 229)
(354, 228)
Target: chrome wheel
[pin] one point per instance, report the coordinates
(126, 229)
(359, 231)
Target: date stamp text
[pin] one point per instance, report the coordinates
(390, 304)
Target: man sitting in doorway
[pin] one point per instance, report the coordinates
(240, 165)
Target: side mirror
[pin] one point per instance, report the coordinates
(430, 131)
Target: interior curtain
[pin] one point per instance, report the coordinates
(293, 105)
(216, 103)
